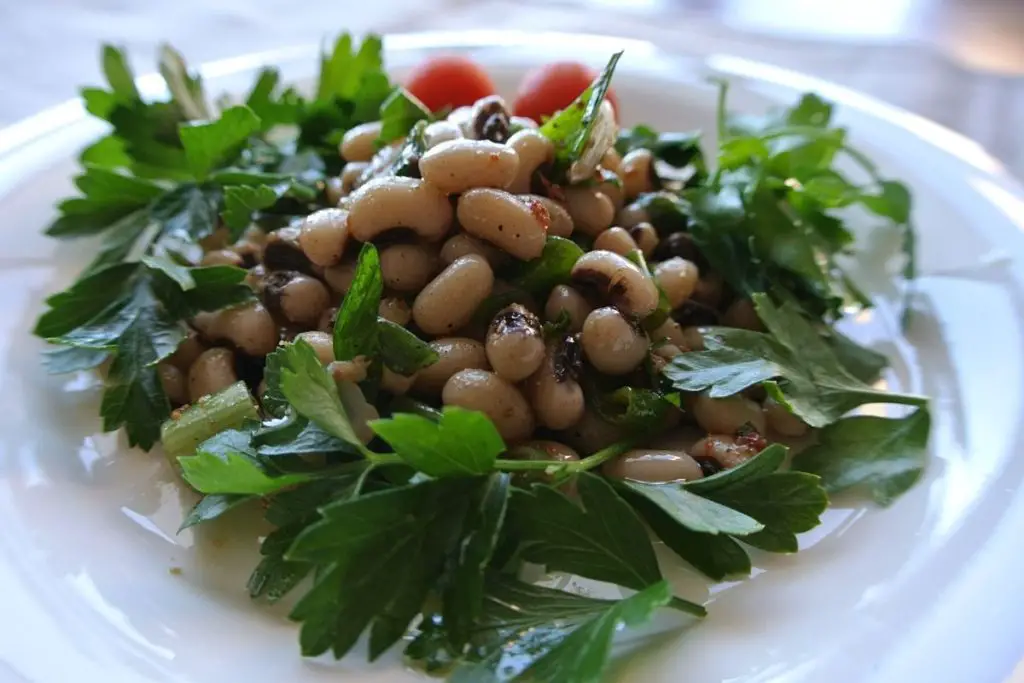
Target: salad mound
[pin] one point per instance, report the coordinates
(444, 346)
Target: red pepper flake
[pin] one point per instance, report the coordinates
(540, 213)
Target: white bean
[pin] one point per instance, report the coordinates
(448, 302)
(358, 142)
(518, 226)
(396, 202)
(533, 150)
(458, 165)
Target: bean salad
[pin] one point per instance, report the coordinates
(442, 339)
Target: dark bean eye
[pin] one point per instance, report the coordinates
(495, 128)
(568, 358)
(695, 314)
(708, 465)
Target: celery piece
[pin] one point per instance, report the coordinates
(227, 409)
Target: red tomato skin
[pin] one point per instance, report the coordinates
(449, 81)
(553, 87)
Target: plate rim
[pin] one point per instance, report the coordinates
(973, 585)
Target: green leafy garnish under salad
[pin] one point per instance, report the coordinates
(445, 347)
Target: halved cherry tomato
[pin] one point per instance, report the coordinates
(550, 88)
(449, 81)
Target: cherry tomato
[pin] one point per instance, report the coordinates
(550, 88)
(449, 81)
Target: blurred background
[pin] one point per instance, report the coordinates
(959, 62)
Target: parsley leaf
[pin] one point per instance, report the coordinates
(226, 464)
(403, 351)
(212, 143)
(693, 511)
(355, 329)
(782, 503)
(541, 634)
(599, 536)
(570, 129)
(240, 201)
(464, 594)
(461, 443)
(400, 111)
(307, 386)
(378, 556)
(885, 455)
(815, 385)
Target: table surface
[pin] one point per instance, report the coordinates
(958, 62)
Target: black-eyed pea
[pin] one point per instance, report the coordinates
(741, 313)
(340, 277)
(544, 450)
(353, 371)
(394, 383)
(394, 309)
(458, 165)
(462, 244)
(727, 415)
(709, 290)
(440, 131)
(553, 391)
(254, 278)
(591, 433)
(497, 398)
(723, 451)
(611, 160)
(250, 327)
(327, 320)
(616, 240)
(518, 123)
(453, 354)
(653, 465)
(350, 176)
(515, 344)
(619, 280)
(516, 225)
(612, 344)
(358, 143)
(693, 340)
(334, 190)
(610, 186)
(560, 224)
(783, 422)
(322, 343)
(188, 350)
(282, 251)
(323, 236)
(408, 267)
(563, 299)
(394, 202)
(591, 211)
(637, 172)
(632, 215)
(646, 237)
(533, 150)
(669, 332)
(174, 383)
(448, 302)
(677, 277)
(490, 119)
(463, 118)
(295, 297)
(213, 370)
(222, 257)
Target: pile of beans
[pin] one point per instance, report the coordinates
(474, 207)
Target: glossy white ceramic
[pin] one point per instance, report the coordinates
(97, 586)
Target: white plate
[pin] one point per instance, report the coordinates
(97, 586)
